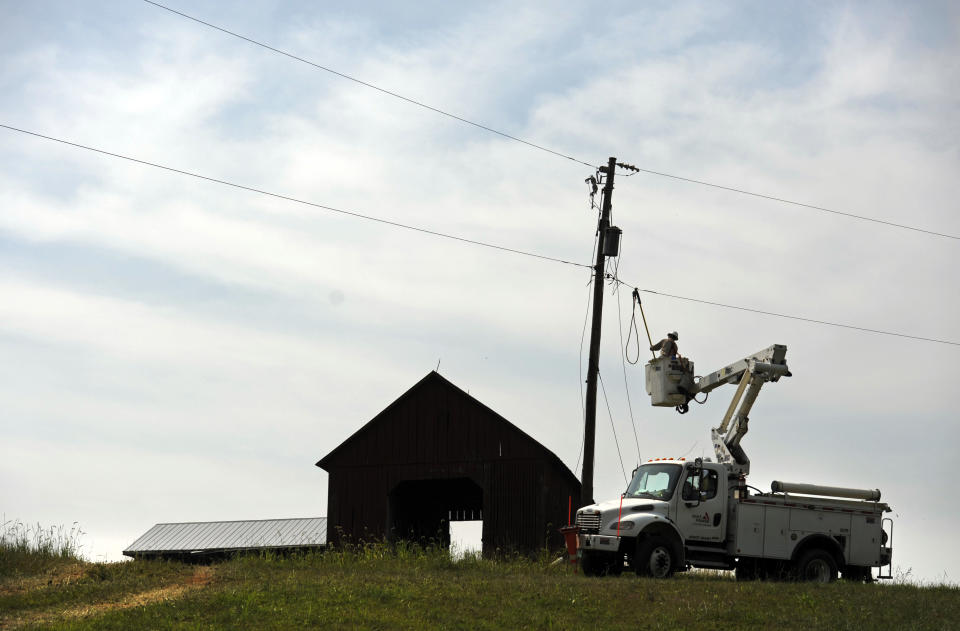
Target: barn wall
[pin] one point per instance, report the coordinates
(437, 431)
(433, 426)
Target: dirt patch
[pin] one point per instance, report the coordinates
(54, 577)
(200, 578)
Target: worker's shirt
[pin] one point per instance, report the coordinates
(666, 346)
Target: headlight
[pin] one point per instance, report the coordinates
(624, 525)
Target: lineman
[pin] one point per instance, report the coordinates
(668, 346)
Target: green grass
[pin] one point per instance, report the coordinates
(375, 587)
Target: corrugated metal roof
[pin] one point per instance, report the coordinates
(213, 536)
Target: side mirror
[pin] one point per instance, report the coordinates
(697, 469)
(695, 472)
(689, 493)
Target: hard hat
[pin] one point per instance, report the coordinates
(673, 335)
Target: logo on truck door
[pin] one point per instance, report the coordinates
(701, 519)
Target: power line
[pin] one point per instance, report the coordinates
(801, 204)
(583, 334)
(534, 145)
(372, 86)
(612, 427)
(457, 238)
(792, 317)
(350, 213)
(623, 363)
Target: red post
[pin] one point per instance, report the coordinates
(570, 538)
(619, 512)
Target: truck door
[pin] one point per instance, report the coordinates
(701, 510)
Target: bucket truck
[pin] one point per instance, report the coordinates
(676, 514)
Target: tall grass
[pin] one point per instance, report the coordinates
(29, 548)
(401, 555)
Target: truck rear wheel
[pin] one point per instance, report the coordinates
(817, 566)
(858, 574)
(746, 570)
(655, 557)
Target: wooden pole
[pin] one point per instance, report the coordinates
(593, 364)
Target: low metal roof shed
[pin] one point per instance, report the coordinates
(213, 538)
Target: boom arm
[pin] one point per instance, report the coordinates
(752, 372)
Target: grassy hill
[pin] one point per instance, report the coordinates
(409, 588)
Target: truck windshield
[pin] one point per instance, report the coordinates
(656, 481)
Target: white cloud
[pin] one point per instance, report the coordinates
(865, 125)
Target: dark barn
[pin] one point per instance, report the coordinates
(437, 455)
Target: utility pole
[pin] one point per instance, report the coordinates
(593, 364)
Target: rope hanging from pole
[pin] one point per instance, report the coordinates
(631, 331)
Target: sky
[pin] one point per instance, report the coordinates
(179, 350)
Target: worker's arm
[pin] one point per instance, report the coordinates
(657, 346)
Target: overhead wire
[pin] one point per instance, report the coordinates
(623, 363)
(793, 317)
(583, 405)
(476, 242)
(540, 147)
(583, 335)
(603, 388)
(783, 200)
(684, 454)
(288, 198)
(372, 86)
(612, 427)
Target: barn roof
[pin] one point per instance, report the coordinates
(434, 378)
(227, 536)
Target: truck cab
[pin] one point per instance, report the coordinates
(668, 504)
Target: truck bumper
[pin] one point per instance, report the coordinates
(605, 543)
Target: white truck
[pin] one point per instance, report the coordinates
(677, 514)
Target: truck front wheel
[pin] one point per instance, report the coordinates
(601, 563)
(817, 566)
(592, 564)
(655, 557)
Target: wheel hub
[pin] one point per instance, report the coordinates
(818, 571)
(660, 562)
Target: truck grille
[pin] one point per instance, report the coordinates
(588, 523)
